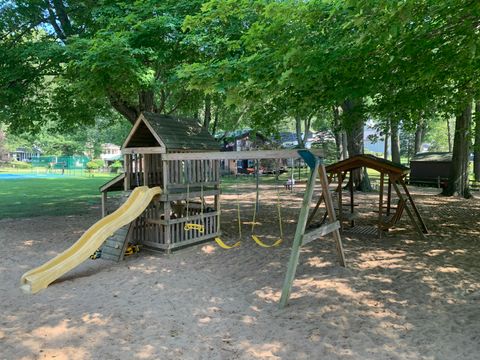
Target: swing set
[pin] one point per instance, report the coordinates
(255, 237)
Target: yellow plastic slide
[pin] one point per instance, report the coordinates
(40, 277)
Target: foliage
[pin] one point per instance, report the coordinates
(94, 164)
(117, 165)
(18, 164)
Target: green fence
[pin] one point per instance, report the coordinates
(61, 162)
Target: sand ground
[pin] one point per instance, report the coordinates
(399, 297)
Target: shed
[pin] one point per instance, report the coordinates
(430, 168)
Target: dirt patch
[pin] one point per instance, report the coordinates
(399, 297)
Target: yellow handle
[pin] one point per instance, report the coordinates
(198, 227)
(225, 246)
(262, 244)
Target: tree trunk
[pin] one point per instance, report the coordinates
(458, 179)
(215, 122)
(354, 128)
(146, 101)
(395, 142)
(337, 131)
(298, 130)
(419, 132)
(344, 145)
(208, 112)
(449, 136)
(126, 110)
(476, 148)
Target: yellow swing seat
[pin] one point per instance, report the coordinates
(262, 244)
(225, 246)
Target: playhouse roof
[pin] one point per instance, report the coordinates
(369, 161)
(170, 132)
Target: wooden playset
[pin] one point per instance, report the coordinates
(388, 214)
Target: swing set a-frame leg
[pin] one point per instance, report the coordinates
(316, 170)
(297, 240)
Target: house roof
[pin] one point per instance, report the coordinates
(433, 156)
(369, 161)
(170, 132)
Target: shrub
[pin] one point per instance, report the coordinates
(20, 164)
(116, 166)
(92, 165)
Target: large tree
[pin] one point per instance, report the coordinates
(70, 60)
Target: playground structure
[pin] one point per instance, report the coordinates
(388, 215)
(183, 160)
(171, 175)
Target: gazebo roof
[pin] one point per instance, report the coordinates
(369, 161)
(169, 132)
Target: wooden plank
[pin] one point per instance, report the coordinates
(409, 212)
(182, 196)
(297, 240)
(380, 206)
(146, 169)
(144, 150)
(331, 213)
(191, 218)
(239, 155)
(321, 231)
(415, 209)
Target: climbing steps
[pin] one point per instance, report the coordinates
(114, 247)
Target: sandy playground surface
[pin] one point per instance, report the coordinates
(399, 297)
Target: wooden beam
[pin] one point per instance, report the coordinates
(321, 231)
(104, 202)
(297, 240)
(239, 155)
(409, 212)
(380, 205)
(144, 150)
(415, 209)
(331, 214)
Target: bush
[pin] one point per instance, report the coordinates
(116, 166)
(20, 164)
(93, 165)
(100, 162)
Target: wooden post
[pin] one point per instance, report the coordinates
(409, 212)
(389, 196)
(104, 203)
(380, 205)
(297, 240)
(316, 170)
(127, 160)
(415, 209)
(146, 168)
(352, 204)
(340, 205)
(331, 214)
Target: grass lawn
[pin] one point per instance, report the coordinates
(49, 196)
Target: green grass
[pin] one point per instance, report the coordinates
(52, 196)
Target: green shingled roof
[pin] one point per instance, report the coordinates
(433, 156)
(181, 134)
